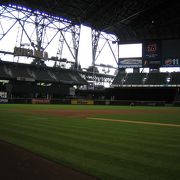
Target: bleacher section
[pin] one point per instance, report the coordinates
(147, 79)
(157, 79)
(119, 79)
(67, 76)
(134, 80)
(41, 74)
(30, 73)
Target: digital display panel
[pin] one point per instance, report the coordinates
(151, 54)
(171, 53)
(130, 55)
(129, 62)
(130, 50)
(171, 62)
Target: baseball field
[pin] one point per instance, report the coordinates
(104, 142)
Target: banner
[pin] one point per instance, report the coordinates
(82, 102)
(40, 101)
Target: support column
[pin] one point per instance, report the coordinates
(95, 40)
(75, 30)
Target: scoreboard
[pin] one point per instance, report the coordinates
(171, 53)
(164, 53)
(171, 62)
(151, 54)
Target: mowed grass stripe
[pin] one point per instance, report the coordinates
(102, 141)
(68, 137)
(90, 165)
(105, 149)
(53, 122)
(130, 136)
(98, 131)
(95, 131)
(78, 151)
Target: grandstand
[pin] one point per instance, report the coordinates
(30, 81)
(147, 79)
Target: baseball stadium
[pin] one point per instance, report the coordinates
(115, 119)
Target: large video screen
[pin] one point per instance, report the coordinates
(130, 55)
(130, 50)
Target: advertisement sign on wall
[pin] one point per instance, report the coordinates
(82, 101)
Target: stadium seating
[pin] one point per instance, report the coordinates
(147, 79)
(157, 79)
(41, 74)
(135, 78)
(175, 78)
(27, 72)
(119, 79)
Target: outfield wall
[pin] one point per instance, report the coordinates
(151, 96)
(82, 102)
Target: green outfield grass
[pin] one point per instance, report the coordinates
(105, 149)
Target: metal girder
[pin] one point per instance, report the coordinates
(116, 16)
(97, 49)
(95, 39)
(38, 31)
(75, 30)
